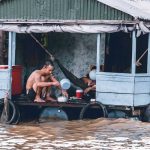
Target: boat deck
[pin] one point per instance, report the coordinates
(24, 101)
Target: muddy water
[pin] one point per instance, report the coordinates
(93, 134)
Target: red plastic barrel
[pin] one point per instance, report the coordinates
(16, 78)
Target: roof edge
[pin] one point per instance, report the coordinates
(128, 7)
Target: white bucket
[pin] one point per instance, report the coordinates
(65, 84)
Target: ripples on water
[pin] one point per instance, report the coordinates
(93, 134)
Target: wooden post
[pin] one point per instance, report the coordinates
(98, 52)
(148, 59)
(133, 53)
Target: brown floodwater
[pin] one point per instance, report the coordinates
(105, 134)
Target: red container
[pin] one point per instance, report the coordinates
(16, 78)
(79, 93)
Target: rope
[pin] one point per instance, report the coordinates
(46, 51)
(138, 61)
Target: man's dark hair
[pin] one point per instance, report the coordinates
(48, 62)
(93, 68)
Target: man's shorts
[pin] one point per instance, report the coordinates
(31, 94)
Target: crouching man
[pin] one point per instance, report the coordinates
(39, 80)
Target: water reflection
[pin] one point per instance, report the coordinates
(92, 134)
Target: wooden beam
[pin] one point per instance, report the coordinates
(56, 21)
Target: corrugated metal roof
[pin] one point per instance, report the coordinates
(136, 8)
(37, 10)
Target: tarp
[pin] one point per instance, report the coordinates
(136, 8)
(102, 28)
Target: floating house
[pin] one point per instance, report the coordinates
(119, 29)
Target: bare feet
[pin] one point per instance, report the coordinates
(48, 98)
(39, 100)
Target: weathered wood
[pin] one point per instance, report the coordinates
(119, 84)
(56, 21)
(4, 82)
(141, 99)
(25, 102)
(123, 90)
(142, 90)
(115, 89)
(115, 99)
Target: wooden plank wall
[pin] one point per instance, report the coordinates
(4, 82)
(115, 89)
(123, 89)
(142, 90)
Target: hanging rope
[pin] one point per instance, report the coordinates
(46, 51)
(138, 61)
(76, 81)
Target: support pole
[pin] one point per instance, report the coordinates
(98, 52)
(10, 63)
(13, 48)
(133, 53)
(148, 56)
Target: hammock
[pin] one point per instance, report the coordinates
(76, 81)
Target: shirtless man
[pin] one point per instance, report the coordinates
(40, 79)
